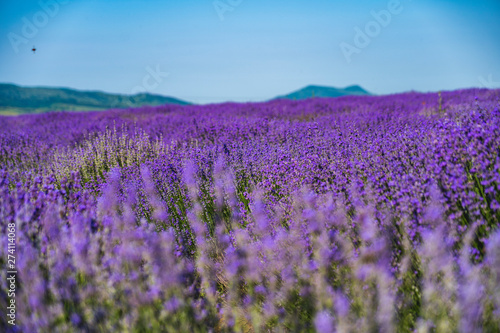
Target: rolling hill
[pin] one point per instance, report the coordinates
(321, 91)
(19, 100)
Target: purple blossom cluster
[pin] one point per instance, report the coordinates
(324, 215)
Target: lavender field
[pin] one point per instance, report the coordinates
(355, 214)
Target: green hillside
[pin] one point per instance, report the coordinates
(19, 100)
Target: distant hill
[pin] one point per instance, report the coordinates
(320, 91)
(18, 100)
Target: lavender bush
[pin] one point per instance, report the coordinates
(356, 214)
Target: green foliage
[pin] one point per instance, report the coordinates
(97, 155)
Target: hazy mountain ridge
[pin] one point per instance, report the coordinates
(16, 99)
(313, 91)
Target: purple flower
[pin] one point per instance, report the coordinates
(324, 322)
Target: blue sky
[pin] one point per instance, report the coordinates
(208, 51)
